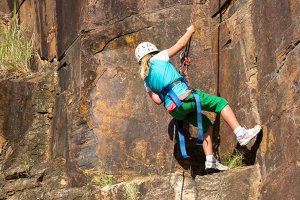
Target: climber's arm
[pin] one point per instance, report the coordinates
(155, 97)
(180, 44)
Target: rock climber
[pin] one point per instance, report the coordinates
(157, 72)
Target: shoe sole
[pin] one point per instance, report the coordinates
(212, 171)
(247, 141)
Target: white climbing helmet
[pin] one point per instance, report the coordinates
(143, 49)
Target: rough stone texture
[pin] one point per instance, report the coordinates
(257, 44)
(279, 78)
(49, 182)
(236, 184)
(68, 14)
(30, 102)
(217, 6)
(88, 114)
(40, 17)
(6, 7)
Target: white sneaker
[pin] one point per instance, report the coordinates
(215, 166)
(248, 135)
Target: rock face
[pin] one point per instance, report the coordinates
(258, 56)
(236, 184)
(85, 113)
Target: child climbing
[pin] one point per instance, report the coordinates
(158, 73)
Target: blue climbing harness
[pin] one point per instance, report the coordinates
(179, 123)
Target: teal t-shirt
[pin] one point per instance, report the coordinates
(163, 73)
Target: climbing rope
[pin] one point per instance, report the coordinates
(184, 56)
(183, 70)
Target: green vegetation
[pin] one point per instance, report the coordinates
(102, 175)
(103, 180)
(15, 48)
(131, 191)
(26, 163)
(234, 160)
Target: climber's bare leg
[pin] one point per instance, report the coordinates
(229, 117)
(207, 143)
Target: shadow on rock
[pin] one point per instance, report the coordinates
(196, 160)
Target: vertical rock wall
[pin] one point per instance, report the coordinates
(258, 61)
(278, 38)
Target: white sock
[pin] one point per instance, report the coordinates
(210, 158)
(239, 131)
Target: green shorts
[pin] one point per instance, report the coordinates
(187, 111)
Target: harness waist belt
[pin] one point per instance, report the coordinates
(169, 87)
(168, 91)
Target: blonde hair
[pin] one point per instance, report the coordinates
(144, 66)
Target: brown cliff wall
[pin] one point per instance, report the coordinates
(98, 117)
(259, 74)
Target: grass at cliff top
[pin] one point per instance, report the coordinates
(15, 49)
